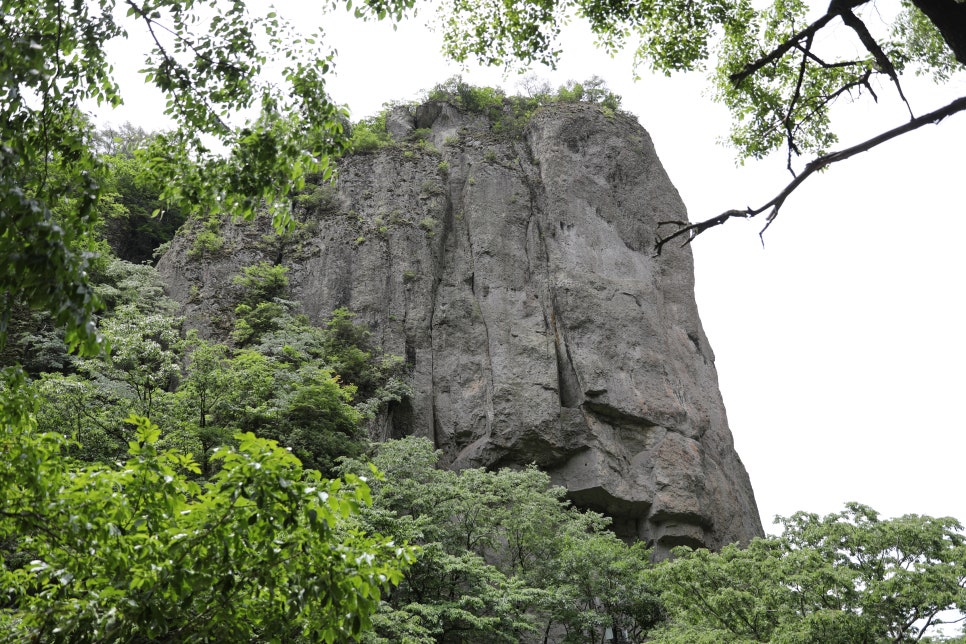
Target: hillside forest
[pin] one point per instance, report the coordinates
(174, 488)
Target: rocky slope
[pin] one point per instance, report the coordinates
(517, 276)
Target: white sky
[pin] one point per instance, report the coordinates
(840, 344)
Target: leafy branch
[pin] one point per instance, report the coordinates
(173, 72)
(793, 41)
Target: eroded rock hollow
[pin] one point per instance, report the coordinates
(517, 276)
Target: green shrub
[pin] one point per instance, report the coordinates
(420, 134)
(252, 322)
(592, 90)
(205, 243)
(161, 250)
(510, 114)
(369, 135)
(431, 188)
(208, 240)
(318, 197)
(262, 282)
(478, 100)
(426, 146)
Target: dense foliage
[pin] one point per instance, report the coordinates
(136, 221)
(194, 525)
(503, 557)
(847, 578)
(283, 378)
(138, 550)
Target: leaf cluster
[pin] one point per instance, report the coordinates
(137, 551)
(847, 577)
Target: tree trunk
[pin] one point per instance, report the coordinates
(949, 16)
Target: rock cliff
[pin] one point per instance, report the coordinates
(517, 276)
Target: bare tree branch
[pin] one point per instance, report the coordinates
(853, 22)
(821, 63)
(787, 121)
(803, 41)
(689, 231)
(820, 101)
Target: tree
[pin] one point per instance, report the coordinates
(89, 412)
(262, 282)
(145, 355)
(597, 582)
(204, 386)
(137, 551)
(778, 69)
(130, 195)
(504, 557)
(209, 63)
(849, 577)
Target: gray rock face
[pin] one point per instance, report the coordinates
(517, 277)
(399, 122)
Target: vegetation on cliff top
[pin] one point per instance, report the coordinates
(507, 114)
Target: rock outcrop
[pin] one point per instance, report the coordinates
(517, 276)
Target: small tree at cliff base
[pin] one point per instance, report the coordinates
(846, 578)
(504, 557)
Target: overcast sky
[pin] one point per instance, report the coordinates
(840, 344)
